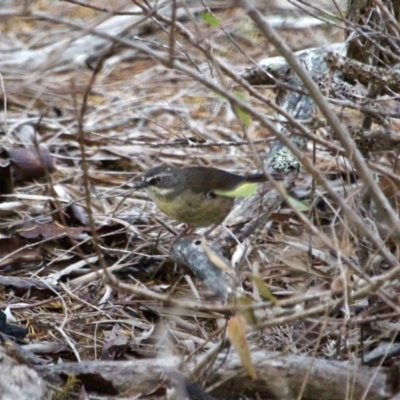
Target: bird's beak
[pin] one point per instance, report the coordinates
(141, 185)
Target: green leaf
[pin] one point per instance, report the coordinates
(296, 204)
(241, 114)
(249, 314)
(220, 96)
(240, 96)
(211, 19)
(263, 290)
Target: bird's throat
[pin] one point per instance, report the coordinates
(163, 194)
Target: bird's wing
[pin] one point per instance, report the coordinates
(212, 179)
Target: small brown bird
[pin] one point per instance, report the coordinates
(198, 196)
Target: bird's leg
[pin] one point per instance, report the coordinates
(185, 231)
(188, 230)
(208, 231)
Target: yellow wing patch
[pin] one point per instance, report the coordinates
(243, 190)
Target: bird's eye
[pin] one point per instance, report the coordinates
(154, 181)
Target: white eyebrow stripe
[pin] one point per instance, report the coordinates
(162, 175)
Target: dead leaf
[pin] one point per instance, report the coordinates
(237, 335)
(215, 258)
(299, 265)
(29, 163)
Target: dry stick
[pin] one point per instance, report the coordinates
(244, 84)
(60, 328)
(209, 56)
(85, 169)
(370, 39)
(388, 15)
(3, 89)
(326, 302)
(358, 294)
(364, 109)
(316, 174)
(368, 34)
(281, 376)
(172, 32)
(287, 142)
(101, 9)
(347, 142)
(61, 215)
(390, 276)
(228, 71)
(313, 358)
(225, 309)
(305, 220)
(353, 154)
(241, 82)
(319, 14)
(329, 305)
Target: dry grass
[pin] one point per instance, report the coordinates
(137, 114)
